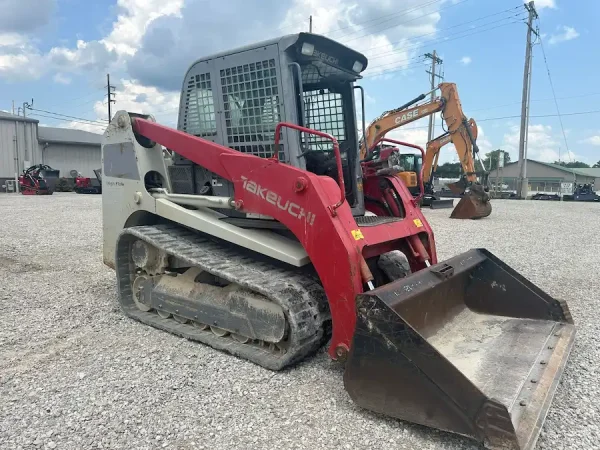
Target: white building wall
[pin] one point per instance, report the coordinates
(11, 160)
(66, 157)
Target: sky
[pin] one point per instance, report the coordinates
(58, 52)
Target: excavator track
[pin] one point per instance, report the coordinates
(299, 295)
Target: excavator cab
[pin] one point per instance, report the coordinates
(237, 99)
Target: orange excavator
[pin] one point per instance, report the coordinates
(475, 201)
(429, 168)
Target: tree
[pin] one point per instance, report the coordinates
(491, 159)
(573, 164)
(448, 170)
(596, 165)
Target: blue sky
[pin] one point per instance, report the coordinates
(59, 51)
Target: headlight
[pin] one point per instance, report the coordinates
(308, 49)
(357, 67)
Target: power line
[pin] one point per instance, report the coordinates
(421, 64)
(83, 96)
(68, 120)
(443, 39)
(437, 43)
(283, 27)
(535, 100)
(387, 16)
(70, 117)
(379, 30)
(554, 95)
(539, 116)
(85, 103)
(462, 24)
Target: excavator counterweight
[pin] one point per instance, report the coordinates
(253, 229)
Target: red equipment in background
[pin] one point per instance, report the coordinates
(38, 180)
(87, 185)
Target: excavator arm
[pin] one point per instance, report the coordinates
(398, 117)
(432, 153)
(460, 133)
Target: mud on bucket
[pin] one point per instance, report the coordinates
(467, 346)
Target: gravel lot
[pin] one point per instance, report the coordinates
(75, 373)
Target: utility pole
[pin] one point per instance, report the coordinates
(434, 60)
(310, 24)
(109, 94)
(27, 106)
(13, 109)
(522, 181)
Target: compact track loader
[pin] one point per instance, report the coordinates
(254, 229)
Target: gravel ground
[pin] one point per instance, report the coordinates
(76, 374)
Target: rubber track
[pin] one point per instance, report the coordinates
(302, 298)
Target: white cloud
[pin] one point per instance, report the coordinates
(20, 62)
(592, 140)
(541, 4)
(21, 59)
(542, 145)
(130, 26)
(149, 35)
(87, 55)
(354, 24)
(568, 33)
(417, 136)
(133, 97)
(466, 60)
(61, 79)
(484, 144)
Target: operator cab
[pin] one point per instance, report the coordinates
(237, 98)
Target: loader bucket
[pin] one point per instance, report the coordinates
(51, 178)
(467, 346)
(473, 205)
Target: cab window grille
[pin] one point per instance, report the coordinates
(199, 117)
(324, 112)
(251, 107)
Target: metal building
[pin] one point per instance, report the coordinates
(24, 143)
(18, 145)
(544, 177)
(65, 149)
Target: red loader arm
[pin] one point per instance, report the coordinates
(310, 207)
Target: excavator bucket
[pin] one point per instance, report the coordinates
(473, 205)
(467, 346)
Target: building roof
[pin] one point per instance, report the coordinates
(8, 116)
(590, 171)
(68, 136)
(582, 171)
